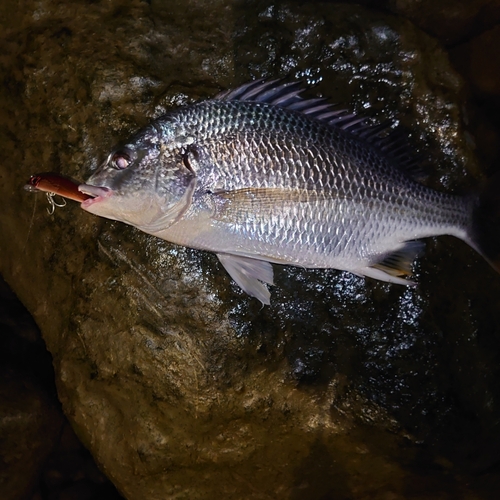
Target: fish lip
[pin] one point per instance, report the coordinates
(97, 193)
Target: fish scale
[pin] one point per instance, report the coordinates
(260, 175)
(236, 173)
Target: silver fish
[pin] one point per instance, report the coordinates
(260, 175)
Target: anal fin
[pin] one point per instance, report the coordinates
(396, 264)
(250, 274)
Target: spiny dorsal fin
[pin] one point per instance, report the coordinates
(389, 141)
(287, 95)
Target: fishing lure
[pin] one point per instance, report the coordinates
(54, 184)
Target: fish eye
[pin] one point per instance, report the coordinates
(120, 160)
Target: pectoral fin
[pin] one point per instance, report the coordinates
(240, 204)
(250, 275)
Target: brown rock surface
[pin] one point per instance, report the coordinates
(181, 386)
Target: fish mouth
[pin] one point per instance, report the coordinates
(97, 193)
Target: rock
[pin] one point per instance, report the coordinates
(179, 384)
(30, 417)
(451, 21)
(29, 423)
(70, 472)
(40, 455)
(478, 60)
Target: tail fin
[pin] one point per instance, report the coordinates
(485, 231)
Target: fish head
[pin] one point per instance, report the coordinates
(145, 182)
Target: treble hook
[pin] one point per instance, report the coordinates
(53, 203)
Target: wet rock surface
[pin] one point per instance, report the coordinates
(30, 418)
(40, 456)
(179, 384)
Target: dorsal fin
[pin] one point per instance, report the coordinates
(389, 141)
(287, 95)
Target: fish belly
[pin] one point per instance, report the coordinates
(323, 233)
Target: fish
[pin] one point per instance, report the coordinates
(260, 175)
